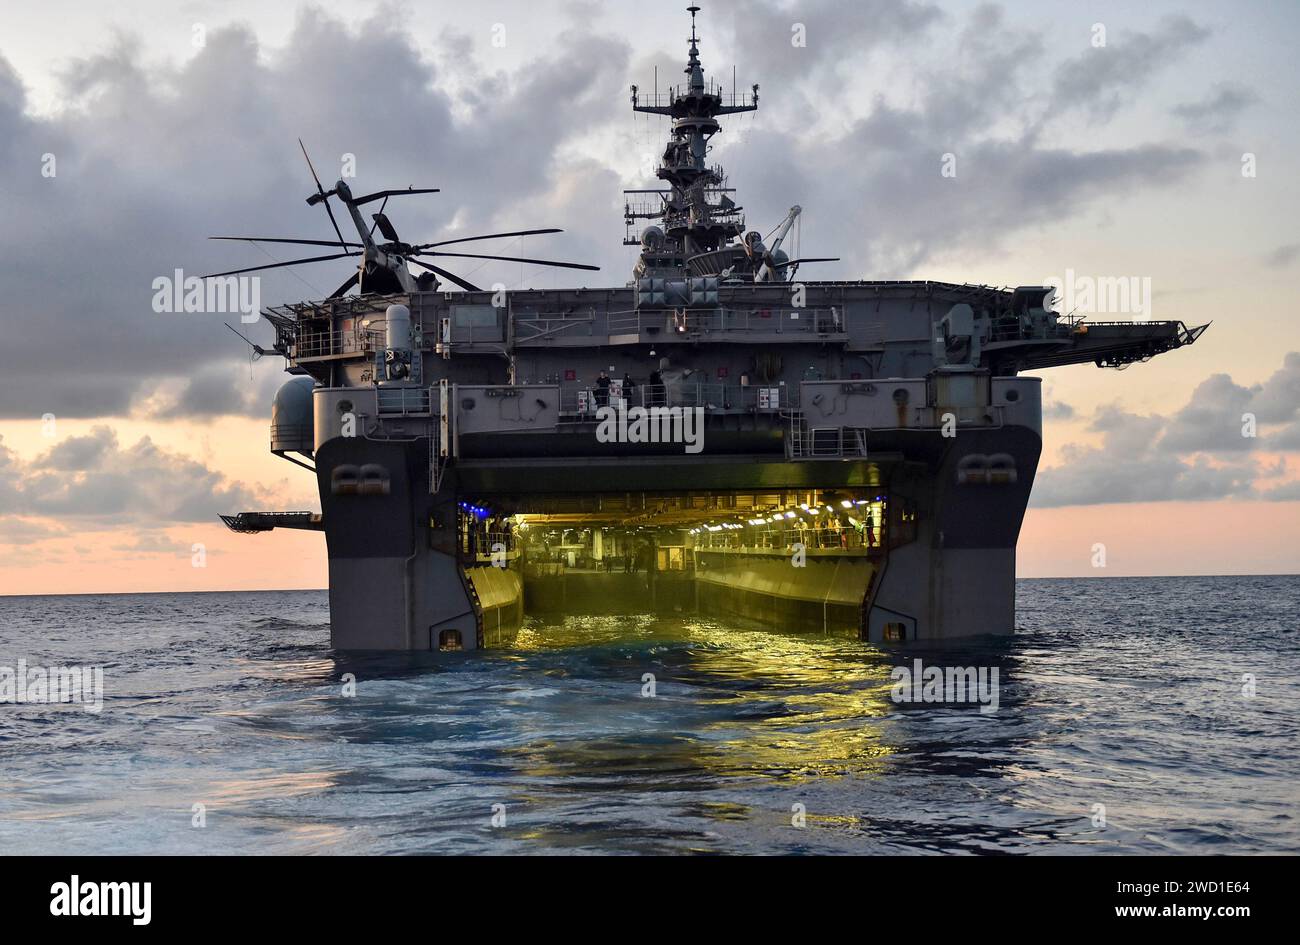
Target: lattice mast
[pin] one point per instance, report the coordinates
(696, 212)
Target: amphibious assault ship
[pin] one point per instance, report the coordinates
(717, 434)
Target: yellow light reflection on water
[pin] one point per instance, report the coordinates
(731, 702)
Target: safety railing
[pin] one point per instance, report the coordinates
(860, 532)
(629, 322)
(775, 320)
(539, 569)
(320, 344)
(315, 345)
(845, 537)
(284, 432)
(730, 98)
(553, 563)
(1029, 331)
(485, 546)
(804, 442)
(403, 401)
(547, 325)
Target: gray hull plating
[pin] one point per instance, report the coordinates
(398, 582)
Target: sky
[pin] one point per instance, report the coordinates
(1155, 142)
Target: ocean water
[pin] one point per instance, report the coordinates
(1132, 694)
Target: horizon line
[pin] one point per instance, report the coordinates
(298, 590)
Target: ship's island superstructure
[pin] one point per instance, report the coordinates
(719, 434)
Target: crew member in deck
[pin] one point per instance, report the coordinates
(656, 395)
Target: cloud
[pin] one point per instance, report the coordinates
(21, 531)
(96, 480)
(1058, 410)
(1103, 79)
(78, 453)
(874, 185)
(1198, 452)
(1283, 256)
(1127, 467)
(1287, 438)
(889, 162)
(1211, 421)
(1287, 492)
(156, 543)
(838, 37)
(149, 160)
(215, 390)
(1219, 410)
(1218, 112)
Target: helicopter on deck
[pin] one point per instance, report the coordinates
(383, 267)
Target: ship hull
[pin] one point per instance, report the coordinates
(400, 578)
(892, 418)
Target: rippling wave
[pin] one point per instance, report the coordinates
(1125, 693)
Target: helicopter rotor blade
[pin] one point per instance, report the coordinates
(376, 223)
(450, 277)
(354, 279)
(323, 197)
(808, 259)
(489, 236)
(519, 259)
(386, 227)
(289, 262)
(314, 176)
(279, 239)
(358, 201)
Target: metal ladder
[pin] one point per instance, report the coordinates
(477, 604)
(797, 433)
(440, 430)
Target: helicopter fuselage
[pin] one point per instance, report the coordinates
(381, 269)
